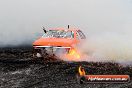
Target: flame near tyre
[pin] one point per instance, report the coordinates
(60, 43)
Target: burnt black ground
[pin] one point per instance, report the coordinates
(17, 70)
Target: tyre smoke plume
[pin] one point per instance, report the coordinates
(106, 23)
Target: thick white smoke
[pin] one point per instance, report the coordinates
(20, 21)
(108, 47)
(106, 23)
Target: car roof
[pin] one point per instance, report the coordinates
(71, 29)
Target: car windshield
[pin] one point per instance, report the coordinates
(59, 34)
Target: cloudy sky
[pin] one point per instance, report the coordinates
(21, 20)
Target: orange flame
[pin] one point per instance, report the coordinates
(81, 71)
(74, 54)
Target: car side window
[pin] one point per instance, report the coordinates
(77, 35)
(82, 36)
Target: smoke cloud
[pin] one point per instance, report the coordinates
(106, 23)
(108, 47)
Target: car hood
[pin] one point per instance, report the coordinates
(66, 42)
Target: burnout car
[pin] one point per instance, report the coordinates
(59, 43)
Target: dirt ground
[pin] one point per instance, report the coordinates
(18, 71)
